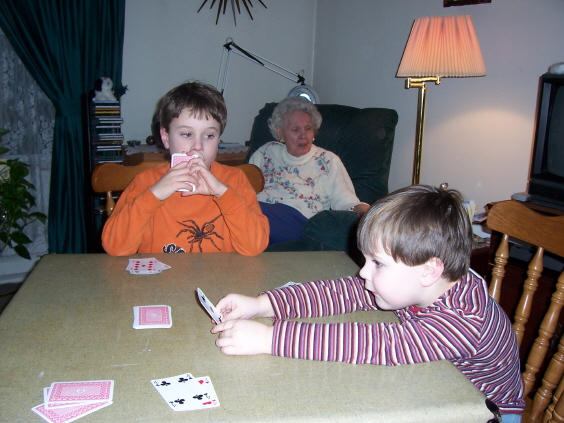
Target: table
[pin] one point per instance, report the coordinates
(72, 320)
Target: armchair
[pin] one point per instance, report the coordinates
(363, 139)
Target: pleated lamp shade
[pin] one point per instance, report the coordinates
(444, 46)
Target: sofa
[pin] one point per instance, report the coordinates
(363, 138)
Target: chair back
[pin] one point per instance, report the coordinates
(110, 178)
(255, 176)
(543, 233)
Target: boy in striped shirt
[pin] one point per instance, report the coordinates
(417, 243)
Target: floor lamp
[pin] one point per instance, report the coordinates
(438, 47)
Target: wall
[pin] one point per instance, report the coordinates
(167, 43)
(478, 131)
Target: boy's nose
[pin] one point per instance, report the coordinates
(198, 144)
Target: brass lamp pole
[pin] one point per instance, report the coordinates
(420, 124)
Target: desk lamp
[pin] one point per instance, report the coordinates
(438, 47)
(301, 90)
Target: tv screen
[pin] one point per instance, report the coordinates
(546, 177)
(555, 135)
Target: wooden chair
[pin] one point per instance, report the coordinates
(110, 178)
(545, 233)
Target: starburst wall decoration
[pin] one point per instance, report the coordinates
(222, 6)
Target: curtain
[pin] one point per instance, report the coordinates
(30, 116)
(66, 45)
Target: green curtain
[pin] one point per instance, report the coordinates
(66, 45)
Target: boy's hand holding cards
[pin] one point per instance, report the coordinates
(210, 308)
(186, 392)
(179, 158)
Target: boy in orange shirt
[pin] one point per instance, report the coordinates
(217, 209)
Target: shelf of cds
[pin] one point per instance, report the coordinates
(103, 139)
(104, 132)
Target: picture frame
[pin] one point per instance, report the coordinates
(448, 3)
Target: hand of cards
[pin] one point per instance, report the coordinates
(148, 266)
(186, 392)
(68, 401)
(179, 158)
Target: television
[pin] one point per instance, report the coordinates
(546, 176)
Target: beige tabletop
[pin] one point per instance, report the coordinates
(72, 320)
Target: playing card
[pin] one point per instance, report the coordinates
(69, 413)
(57, 405)
(152, 317)
(210, 308)
(148, 266)
(185, 392)
(179, 158)
(80, 391)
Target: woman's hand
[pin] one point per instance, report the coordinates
(360, 209)
(236, 306)
(244, 337)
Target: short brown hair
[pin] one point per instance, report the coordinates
(202, 99)
(417, 223)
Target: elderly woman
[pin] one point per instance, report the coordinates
(301, 179)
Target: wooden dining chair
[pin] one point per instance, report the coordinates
(110, 178)
(517, 222)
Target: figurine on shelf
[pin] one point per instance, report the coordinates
(103, 90)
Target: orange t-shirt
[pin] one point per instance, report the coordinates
(141, 223)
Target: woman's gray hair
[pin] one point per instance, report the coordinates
(288, 106)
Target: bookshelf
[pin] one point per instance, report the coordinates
(103, 143)
(105, 136)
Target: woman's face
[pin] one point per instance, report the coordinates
(297, 132)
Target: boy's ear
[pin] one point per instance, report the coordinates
(432, 271)
(164, 137)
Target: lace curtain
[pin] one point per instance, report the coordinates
(30, 116)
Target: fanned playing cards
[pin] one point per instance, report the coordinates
(65, 402)
(186, 392)
(148, 266)
(152, 317)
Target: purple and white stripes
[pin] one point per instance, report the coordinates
(464, 326)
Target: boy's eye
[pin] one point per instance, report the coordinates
(187, 134)
(210, 136)
(377, 263)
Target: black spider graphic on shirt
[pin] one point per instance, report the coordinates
(197, 234)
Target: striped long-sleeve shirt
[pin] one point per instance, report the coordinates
(465, 325)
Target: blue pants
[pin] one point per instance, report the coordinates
(511, 418)
(286, 222)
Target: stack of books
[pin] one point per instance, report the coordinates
(106, 137)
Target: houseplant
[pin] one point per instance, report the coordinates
(16, 202)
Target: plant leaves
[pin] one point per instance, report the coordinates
(22, 252)
(20, 238)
